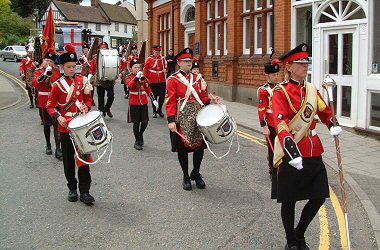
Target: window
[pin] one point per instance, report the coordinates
(225, 7)
(164, 32)
(209, 41)
(217, 8)
(125, 28)
(116, 26)
(190, 14)
(376, 40)
(217, 39)
(375, 110)
(247, 6)
(246, 35)
(270, 32)
(85, 25)
(98, 27)
(258, 35)
(225, 38)
(133, 29)
(209, 14)
(270, 3)
(304, 26)
(258, 4)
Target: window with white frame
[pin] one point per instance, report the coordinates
(116, 26)
(98, 27)
(270, 3)
(225, 7)
(270, 32)
(217, 8)
(133, 29)
(225, 45)
(85, 25)
(164, 32)
(209, 41)
(246, 36)
(304, 27)
(125, 28)
(247, 6)
(209, 12)
(258, 4)
(258, 34)
(217, 38)
(376, 39)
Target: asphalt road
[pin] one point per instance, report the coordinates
(140, 203)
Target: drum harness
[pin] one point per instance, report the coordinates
(190, 90)
(78, 104)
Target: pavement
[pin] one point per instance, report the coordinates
(359, 152)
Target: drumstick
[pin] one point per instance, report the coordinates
(183, 137)
(216, 100)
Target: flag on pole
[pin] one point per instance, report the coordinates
(49, 33)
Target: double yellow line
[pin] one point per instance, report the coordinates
(324, 237)
(18, 81)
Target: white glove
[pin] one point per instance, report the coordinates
(89, 77)
(297, 163)
(139, 74)
(155, 103)
(48, 68)
(335, 131)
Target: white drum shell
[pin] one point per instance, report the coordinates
(215, 123)
(108, 64)
(89, 132)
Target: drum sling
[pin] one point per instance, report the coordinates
(301, 122)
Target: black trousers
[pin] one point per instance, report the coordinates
(69, 167)
(158, 90)
(110, 97)
(272, 136)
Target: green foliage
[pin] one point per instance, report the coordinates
(27, 8)
(72, 1)
(12, 26)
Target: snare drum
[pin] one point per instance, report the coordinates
(216, 124)
(108, 64)
(89, 132)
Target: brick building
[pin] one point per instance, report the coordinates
(233, 39)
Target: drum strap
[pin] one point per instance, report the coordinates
(67, 88)
(190, 90)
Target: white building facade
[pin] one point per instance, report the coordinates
(345, 45)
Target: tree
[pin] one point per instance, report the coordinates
(72, 1)
(26, 8)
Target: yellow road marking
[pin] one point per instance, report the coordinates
(324, 240)
(18, 81)
(252, 138)
(341, 222)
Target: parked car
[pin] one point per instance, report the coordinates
(14, 52)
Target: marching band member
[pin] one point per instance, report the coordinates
(264, 93)
(72, 93)
(102, 86)
(43, 80)
(301, 173)
(186, 94)
(124, 71)
(27, 68)
(132, 56)
(138, 102)
(170, 58)
(84, 61)
(155, 70)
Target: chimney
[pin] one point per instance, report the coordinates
(94, 3)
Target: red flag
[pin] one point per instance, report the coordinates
(49, 33)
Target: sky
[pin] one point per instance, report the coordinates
(88, 2)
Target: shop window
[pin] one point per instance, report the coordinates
(258, 35)
(376, 40)
(246, 35)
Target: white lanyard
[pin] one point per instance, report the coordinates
(191, 88)
(67, 88)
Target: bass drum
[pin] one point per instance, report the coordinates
(108, 64)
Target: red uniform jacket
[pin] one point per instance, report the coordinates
(130, 58)
(264, 109)
(94, 65)
(138, 93)
(309, 146)
(44, 85)
(26, 63)
(176, 91)
(123, 64)
(58, 98)
(154, 69)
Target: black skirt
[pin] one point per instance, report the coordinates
(177, 143)
(310, 182)
(138, 113)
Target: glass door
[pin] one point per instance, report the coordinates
(338, 63)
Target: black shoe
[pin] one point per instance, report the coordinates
(109, 113)
(198, 180)
(58, 153)
(290, 248)
(73, 196)
(186, 184)
(104, 114)
(86, 198)
(42, 122)
(161, 114)
(31, 106)
(301, 243)
(155, 115)
(137, 145)
(141, 141)
(125, 96)
(48, 150)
